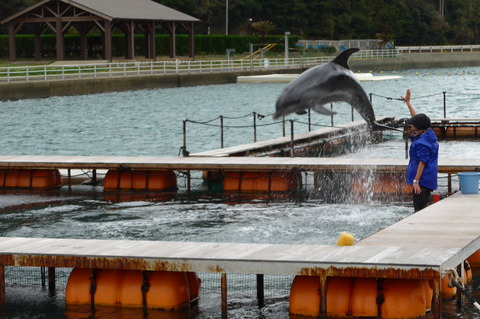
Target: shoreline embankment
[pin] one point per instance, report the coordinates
(45, 89)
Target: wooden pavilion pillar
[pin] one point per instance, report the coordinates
(83, 29)
(107, 40)
(12, 50)
(171, 27)
(60, 40)
(38, 43)
(130, 40)
(150, 37)
(191, 39)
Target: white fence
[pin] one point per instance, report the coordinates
(438, 48)
(88, 71)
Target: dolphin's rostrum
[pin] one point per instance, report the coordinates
(326, 83)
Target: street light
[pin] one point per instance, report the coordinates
(226, 17)
(286, 47)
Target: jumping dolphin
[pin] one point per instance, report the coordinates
(326, 83)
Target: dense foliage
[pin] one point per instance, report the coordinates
(204, 44)
(410, 22)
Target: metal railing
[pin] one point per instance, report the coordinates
(438, 48)
(120, 69)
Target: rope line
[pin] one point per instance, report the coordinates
(400, 99)
(233, 126)
(458, 282)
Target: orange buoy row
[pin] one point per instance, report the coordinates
(357, 297)
(165, 180)
(132, 288)
(457, 131)
(260, 182)
(380, 184)
(30, 178)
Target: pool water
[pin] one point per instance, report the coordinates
(149, 123)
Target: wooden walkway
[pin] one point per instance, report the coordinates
(225, 163)
(423, 245)
(299, 144)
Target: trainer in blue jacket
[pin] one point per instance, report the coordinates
(422, 168)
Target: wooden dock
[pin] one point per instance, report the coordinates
(445, 165)
(422, 246)
(321, 142)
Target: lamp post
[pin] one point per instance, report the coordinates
(226, 17)
(286, 47)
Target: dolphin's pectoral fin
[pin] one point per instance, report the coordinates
(301, 112)
(323, 110)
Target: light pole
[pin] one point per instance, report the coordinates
(286, 47)
(226, 17)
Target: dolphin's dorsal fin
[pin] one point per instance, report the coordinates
(342, 58)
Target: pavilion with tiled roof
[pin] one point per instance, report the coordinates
(84, 15)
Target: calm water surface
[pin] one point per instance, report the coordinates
(149, 123)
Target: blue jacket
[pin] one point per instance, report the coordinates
(424, 148)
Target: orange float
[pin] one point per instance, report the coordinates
(381, 183)
(456, 131)
(261, 182)
(446, 291)
(108, 283)
(140, 180)
(474, 259)
(403, 298)
(468, 271)
(428, 287)
(168, 291)
(34, 178)
(164, 290)
(363, 300)
(338, 296)
(305, 296)
(129, 292)
(78, 286)
(194, 283)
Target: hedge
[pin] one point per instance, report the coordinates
(204, 44)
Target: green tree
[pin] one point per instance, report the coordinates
(10, 7)
(263, 27)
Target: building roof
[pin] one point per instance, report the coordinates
(120, 10)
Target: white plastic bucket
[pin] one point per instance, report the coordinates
(469, 182)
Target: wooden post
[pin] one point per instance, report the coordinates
(152, 45)
(224, 293)
(459, 294)
(130, 35)
(60, 43)
(437, 298)
(172, 26)
(83, 43)
(2, 284)
(323, 296)
(38, 44)
(260, 290)
(191, 41)
(69, 179)
(51, 280)
(107, 46)
(12, 51)
(292, 140)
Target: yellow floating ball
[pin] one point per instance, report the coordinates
(346, 239)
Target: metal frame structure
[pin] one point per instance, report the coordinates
(84, 15)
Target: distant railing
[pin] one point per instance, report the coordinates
(438, 48)
(116, 69)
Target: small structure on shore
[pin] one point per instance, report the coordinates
(84, 15)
